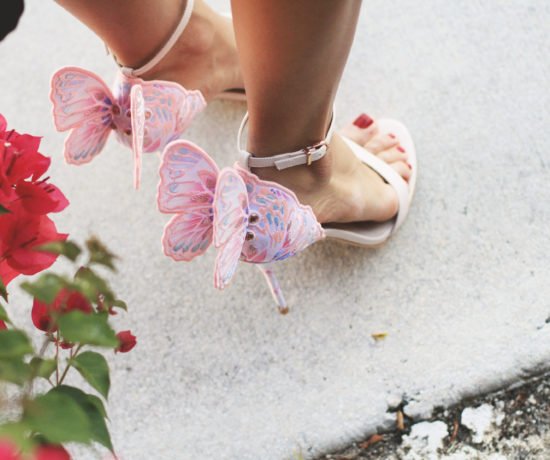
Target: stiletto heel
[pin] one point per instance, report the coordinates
(275, 288)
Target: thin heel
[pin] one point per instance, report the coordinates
(273, 283)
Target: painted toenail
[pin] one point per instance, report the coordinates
(363, 121)
(409, 165)
(391, 135)
(401, 149)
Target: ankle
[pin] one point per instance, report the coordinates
(202, 58)
(303, 180)
(138, 40)
(192, 45)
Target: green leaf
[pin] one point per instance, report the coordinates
(14, 344)
(99, 254)
(88, 329)
(95, 411)
(3, 290)
(46, 287)
(92, 285)
(4, 314)
(94, 368)
(64, 248)
(14, 370)
(98, 403)
(58, 418)
(4, 210)
(43, 367)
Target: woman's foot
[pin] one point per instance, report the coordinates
(203, 58)
(339, 187)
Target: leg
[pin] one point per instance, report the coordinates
(134, 30)
(292, 56)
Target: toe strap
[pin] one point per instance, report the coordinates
(389, 175)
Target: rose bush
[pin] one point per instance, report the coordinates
(72, 313)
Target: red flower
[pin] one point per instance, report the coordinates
(21, 167)
(51, 452)
(8, 451)
(7, 273)
(20, 234)
(40, 197)
(2, 327)
(64, 302)
(127, 341)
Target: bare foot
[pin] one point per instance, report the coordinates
(339, 187)
(204, 57)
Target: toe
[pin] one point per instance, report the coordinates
(362, 130)
(396, 153)
(380, 143)
(402, 168)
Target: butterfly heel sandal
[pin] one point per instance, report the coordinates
(254, 220)
(145, 115)
(246, 218)
(365, 234)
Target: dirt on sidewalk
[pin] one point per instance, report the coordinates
(512, 424)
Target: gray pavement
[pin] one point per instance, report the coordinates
(462, 290)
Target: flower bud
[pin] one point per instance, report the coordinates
(127, 341)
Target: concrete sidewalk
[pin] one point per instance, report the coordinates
(462, 290)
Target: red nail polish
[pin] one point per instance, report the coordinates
(401, 149)
(363, 121)
(409, 165)
(391, 135)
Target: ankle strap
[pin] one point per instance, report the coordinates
(304, 156)
(130, 72)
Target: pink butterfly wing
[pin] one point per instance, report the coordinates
(81, 101)
(230, 221)
(285, 226)
(187, 178)
(187, 184)
(84, 143)
(137, 105)
(79, 97)
(170, 108)
(187, 236)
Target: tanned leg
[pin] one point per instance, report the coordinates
(204, 57)
(292, 55)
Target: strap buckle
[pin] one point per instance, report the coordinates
(311, 149)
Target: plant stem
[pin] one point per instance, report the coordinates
(69, 364)
(57, 359)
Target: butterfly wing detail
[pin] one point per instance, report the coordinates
(82, 102)
(84, 143)
(137, 107)
(285, 226)
(230, 222)
(170, 108)
(187, 185)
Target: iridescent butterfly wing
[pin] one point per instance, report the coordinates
(187, 185)
(169, 109)
(230, 222)
(83, 103)
(283, 226)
